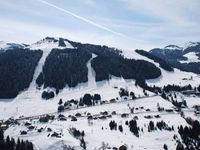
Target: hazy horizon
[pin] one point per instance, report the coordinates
(117, 23)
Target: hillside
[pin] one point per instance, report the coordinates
(184, 58)
(83, 96)
(64, 64)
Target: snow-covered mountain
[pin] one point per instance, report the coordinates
(121, 99)
(9, 46)
(185, 59)
(192, 47)
(50, 43)
(190, 44)
(173, 47)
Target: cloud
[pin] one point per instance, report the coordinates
(82, 18)
(91, 3)
(171, 21)
(120, 23)
(14, 31)
(170, 11)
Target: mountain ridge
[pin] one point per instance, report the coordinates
(108, 62)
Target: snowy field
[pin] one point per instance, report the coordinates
(95, 135)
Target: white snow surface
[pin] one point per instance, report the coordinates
(3, 45)
(95, 135)
(91, 72)
(29, 103)
(177, 77)
(35, 105)
(190, 44)
(173, 47)
(49, 44)
(191, 57)
(6, 46)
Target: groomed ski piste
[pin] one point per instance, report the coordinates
(97, 132)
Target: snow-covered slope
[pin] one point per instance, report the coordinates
(175, 77)
(190, 44)
(8, 46)
(91, 72)
(97, 133)
(46, 45)
(191, 57)
(30, 99)
(50, 43)
(173, 47)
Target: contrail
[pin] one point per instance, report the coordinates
(83, 19)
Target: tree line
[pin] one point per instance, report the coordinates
(11, 144)
(64, 67)
(163, 64)
(17, 67)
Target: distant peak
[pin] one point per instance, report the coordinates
(2, 42)
(191, 44)
(51, 42)
(173, 47)
(48, 40)
(9, 46)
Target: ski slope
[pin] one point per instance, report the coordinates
(91, 72)
(31, 100)
(177, 77)
(97, 132)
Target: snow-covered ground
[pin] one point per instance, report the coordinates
(91, 72)
(190, 44)
(36, 105)
(173, 47)
(31, 100)
(29, 103)
(5, 46)
(49, 44)
(191, 57)
(177, 77)
(95, 135)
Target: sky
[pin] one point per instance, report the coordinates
(125, 24)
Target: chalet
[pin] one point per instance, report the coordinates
(197, 113)
(196, 107)
(89, 117)
(104, 113)
(3, 126)
(112, 100)
(124, 115)
(148, 117)
(109, 116)
(102, 117)
(191, 92)
(169, 110)
(73, 118)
